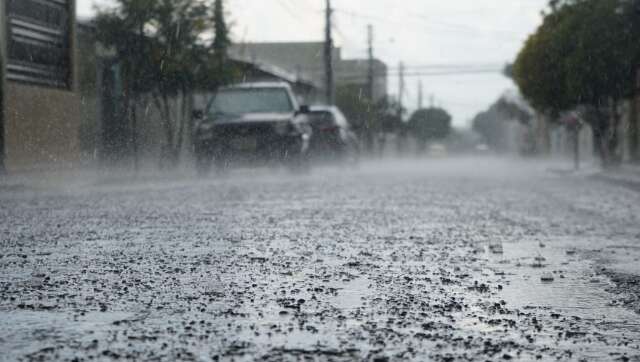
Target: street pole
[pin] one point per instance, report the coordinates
(400, 142)
(370, 73)
(400, 88)
(420, 95)
(328, 57)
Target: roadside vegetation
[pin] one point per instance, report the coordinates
(169, 50)
(585, 56)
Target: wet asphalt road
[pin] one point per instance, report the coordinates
(469, 259)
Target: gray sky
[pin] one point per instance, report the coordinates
(429, 36)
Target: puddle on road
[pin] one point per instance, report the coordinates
(577, 295)
(28, 332)
(575, 290)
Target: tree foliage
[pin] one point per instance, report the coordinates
(164, 54)
(585, 53)
(368, 118)
(493, 123)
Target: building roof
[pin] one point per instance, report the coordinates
(260, 85)
(275, 71)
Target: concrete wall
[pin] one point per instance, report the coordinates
(3, 51)
(42, 127)
(42, 124)
(89, 68)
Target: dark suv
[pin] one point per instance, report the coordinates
(252, 123)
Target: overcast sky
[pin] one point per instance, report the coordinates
(429, 36)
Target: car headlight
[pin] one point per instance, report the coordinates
(283, 128)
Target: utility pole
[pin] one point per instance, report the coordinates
(328, 57)
(420, 94)
(400, 88)
(370, 73)
(432, 101)
(402, 132)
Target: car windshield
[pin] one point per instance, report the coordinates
(251, 100)
(321, 118)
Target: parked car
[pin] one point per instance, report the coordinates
(255, 123)
(332, 138)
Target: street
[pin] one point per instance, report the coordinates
(432, 259)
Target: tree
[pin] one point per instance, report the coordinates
(369, 119)
(492, 124)
(388, 111)
(429, 124)
(360, 112)
(221, 41)
(124, 30)
(161, 45)
(584, 54)
(177, 54)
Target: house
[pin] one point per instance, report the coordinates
(306, 60)
(40, 103)
(251, 71)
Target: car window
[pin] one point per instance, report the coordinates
(251, 100)
(320, 119)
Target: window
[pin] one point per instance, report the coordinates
(251, 100)
(39, 46)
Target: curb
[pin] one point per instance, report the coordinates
(618, 181)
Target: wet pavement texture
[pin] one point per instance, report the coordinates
(465, 259)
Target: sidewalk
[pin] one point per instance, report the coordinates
(81, 178)
(626, 176)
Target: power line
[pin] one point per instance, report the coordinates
(435, 67)
(452, 27)
(370, 73)
(401, 89)
(425, 74)
(417, 73)
(290, 11)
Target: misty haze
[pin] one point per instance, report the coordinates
(317, 180)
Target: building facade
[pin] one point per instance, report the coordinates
(355, 73)
(40, 105)
(306, 60)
